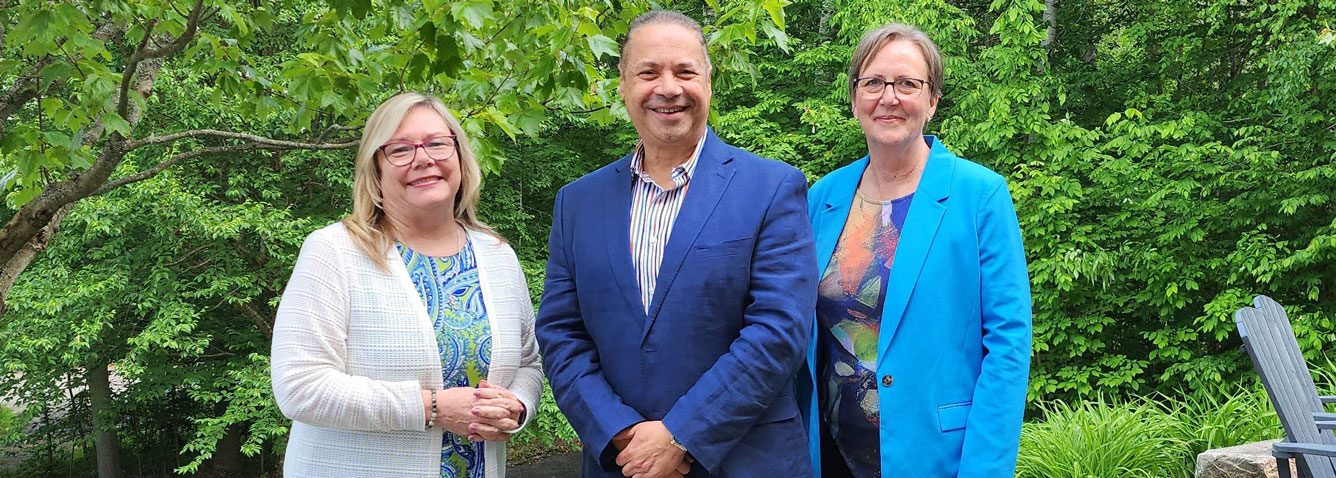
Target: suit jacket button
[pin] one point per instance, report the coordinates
(886, 380)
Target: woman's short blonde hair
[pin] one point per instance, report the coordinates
(368, 225)
(874, 39)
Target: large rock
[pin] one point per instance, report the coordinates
(1249, 460)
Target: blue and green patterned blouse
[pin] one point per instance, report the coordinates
(449, 286)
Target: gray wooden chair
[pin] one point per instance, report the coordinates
(1275, 354)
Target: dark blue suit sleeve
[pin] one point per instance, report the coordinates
(993, 429)
(729, 398)
(594, 410)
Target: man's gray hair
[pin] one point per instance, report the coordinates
(662, 17)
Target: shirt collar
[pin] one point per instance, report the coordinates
(688, 168)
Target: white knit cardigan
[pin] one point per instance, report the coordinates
(353, 347)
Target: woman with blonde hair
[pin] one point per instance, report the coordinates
(404, 341)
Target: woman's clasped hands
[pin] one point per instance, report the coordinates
(487, 413)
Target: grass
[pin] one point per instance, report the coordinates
(1228, 418)
(1159, 436)
(1100, 439)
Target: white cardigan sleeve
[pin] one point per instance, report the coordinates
(308, 365)
(528, 384)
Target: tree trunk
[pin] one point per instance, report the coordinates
(1050, 19)
(104, 422)
(20, 261)
(227, 453)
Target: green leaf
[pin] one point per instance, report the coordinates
(781, 38)
(32, 27)
(114, 123)
(603, 47)
(588, 29)
(351, 8)
(474, 13)
(776, 10)
(448, 61)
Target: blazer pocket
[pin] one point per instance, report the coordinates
(723, 248)
(953, 416)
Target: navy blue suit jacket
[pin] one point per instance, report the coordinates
(727, 327)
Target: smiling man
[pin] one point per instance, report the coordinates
(680, 287)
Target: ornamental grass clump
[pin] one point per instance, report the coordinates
(1226, 418)
(1103, 440)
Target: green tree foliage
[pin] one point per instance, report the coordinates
(170, 264)
(1164, 171)
(78, 78)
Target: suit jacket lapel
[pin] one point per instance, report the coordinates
(706, 187)
(617, 237)
(925, 215)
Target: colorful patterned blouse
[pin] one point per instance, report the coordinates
(449, 286)
(848, 309)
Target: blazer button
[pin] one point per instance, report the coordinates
(886, 380)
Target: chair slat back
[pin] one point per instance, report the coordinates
(1276, 356)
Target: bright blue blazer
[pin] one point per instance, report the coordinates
(954, 351)
(728, 325)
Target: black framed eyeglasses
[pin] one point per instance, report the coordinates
(871, 87)
(401, 153)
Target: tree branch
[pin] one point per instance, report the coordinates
(71, 60)
(257, 144)
(187, 255)
(192, 26)
(580, 112)
(24, 89)
(335, 127)
(198, 133)
(142, 53)
(491, 98)
(257, 319)
(20, 260)
(28, 85)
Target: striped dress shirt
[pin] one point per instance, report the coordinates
(653, 212)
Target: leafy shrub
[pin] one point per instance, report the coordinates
(6, 420)
(549, 433)
(1102, 440)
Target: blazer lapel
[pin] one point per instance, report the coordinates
(707, 186)
(834, 213)
(925, 215)
(617, 236)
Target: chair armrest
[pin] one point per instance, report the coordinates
(1324, 421)
(1327, 398)
(1305, 449)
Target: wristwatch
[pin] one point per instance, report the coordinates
(673, 440)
